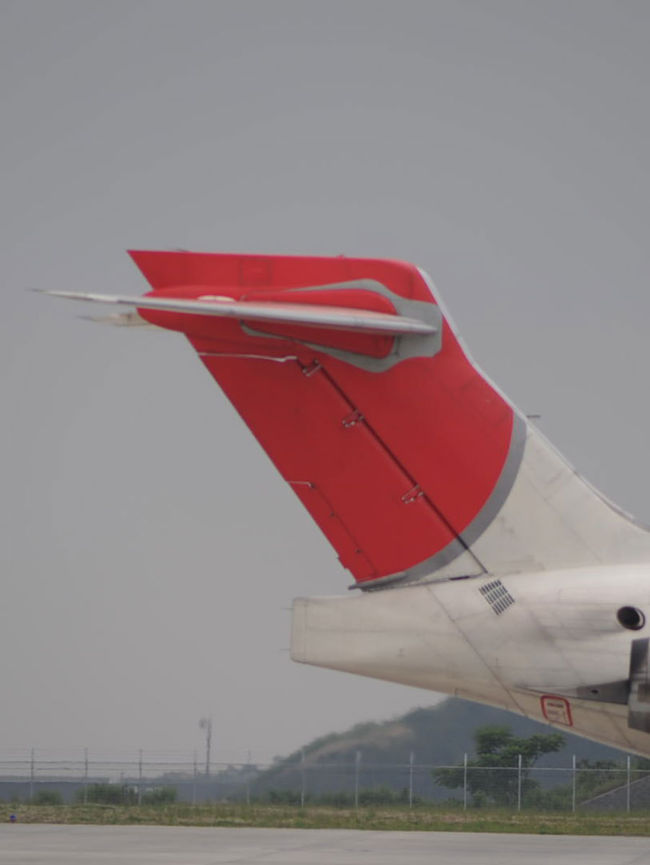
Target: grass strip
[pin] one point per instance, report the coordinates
(421, 818)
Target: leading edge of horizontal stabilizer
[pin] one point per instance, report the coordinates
(297, 316)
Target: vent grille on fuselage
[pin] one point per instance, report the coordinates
(497, 596)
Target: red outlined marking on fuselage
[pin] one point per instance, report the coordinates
(556, 710)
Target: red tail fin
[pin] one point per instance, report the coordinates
(397, 448)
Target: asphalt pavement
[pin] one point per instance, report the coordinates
(163, 845)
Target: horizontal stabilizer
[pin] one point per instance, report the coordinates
(337, 318)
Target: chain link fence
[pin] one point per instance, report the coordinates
(351, 781)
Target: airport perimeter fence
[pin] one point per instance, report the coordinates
(346, 782)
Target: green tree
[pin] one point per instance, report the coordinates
(492, 775)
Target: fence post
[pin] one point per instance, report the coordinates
(465, 782)
(31, 775)
(519, 783)
(85, 795)
(194, 774)
(573, 785)
(627, 804)
(140, 777)
(302, 778)
(357, 764)
(411, 761)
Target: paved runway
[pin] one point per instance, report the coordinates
(164, 845)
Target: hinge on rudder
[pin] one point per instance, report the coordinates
(311, 369)
(413, 494)
(352, 419)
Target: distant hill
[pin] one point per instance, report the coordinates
(438, 735)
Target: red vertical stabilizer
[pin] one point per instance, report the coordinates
(397, 453)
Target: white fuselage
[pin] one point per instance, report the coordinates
(528, 650)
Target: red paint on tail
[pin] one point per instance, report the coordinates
(392, 465)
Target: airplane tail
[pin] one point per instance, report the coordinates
(351, 377)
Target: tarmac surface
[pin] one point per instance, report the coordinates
(164, 845)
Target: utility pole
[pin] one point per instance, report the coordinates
(32, 772)
(206, 724)
(357, 766)
(85, 776)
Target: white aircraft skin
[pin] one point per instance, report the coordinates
(560, 634)
(539, 606)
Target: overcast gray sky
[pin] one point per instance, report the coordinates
(149, 551)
